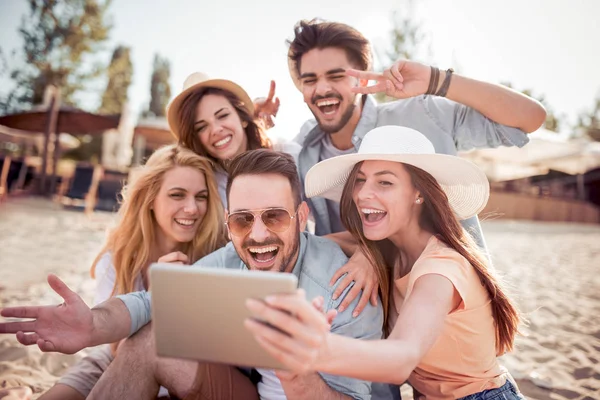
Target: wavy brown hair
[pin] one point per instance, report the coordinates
(438, 218)
(188, 137)
(131, 240)
(319, 34)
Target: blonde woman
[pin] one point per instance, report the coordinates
(448, 316)
(171, 212)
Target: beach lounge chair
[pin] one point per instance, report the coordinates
(83, 187)
(108, 193)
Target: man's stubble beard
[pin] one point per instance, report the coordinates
(343, 121)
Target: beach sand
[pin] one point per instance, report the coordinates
(554, 270)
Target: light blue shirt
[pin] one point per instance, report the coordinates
(450, 126)
(318, 260)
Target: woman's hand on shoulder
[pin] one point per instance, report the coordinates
(360, 271)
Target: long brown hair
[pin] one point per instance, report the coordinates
(188, 137)
(131, 240)
(436, 217)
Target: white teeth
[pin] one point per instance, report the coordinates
(323, 103)
(223, 142)
(186, 222)
(261, 250)
(371, 211)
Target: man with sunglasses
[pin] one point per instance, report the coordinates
(266, 221)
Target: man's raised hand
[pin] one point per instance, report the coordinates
(64, 328)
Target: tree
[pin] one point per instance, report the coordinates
(589, 122)
(120, 72)
(160, 89)
(406, 41)
(553, 121)
(58, 37)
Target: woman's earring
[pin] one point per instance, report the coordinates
(419, 201)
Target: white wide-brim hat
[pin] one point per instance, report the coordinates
(464, 183)
(197, 81)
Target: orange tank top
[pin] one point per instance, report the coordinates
(463, 359)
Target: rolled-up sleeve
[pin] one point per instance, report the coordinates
(469, 128)
(140, 309)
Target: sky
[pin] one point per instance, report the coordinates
(549, 46)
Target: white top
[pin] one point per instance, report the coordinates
(106, 276)
(269, 388)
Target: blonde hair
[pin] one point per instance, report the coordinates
(131, 240)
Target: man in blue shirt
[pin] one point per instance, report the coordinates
(266, 221)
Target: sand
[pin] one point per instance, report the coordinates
(554, 270)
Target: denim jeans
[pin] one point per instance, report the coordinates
(508, 391)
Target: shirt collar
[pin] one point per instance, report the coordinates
(301, 251)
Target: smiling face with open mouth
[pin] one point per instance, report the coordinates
(180, 205)
(385, 199)
(264, 201)
(219, 127)
(326, 88)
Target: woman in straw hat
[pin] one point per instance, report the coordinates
(216, 118)
(448, 317)
(171, 212)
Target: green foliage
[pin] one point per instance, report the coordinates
(58, 37)
(589, 121)
(120, 72)
(160, 89)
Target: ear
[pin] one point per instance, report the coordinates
(418, 198)
(302, 215)
(244, 124)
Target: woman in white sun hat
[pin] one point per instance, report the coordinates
(447, 315)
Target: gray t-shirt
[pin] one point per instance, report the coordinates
(328, 150)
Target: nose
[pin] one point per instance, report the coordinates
(323, 87)
(190, 206)
(216, 129)
(365, 192)
(259, 231)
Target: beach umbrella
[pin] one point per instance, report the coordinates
(52, 117)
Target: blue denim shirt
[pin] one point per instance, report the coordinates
(450, 126)
(318, 259)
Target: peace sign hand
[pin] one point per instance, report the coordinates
(402, 80)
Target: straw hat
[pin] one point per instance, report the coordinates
(463, 182)
(199, 80)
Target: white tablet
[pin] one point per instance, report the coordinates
(198, 313)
